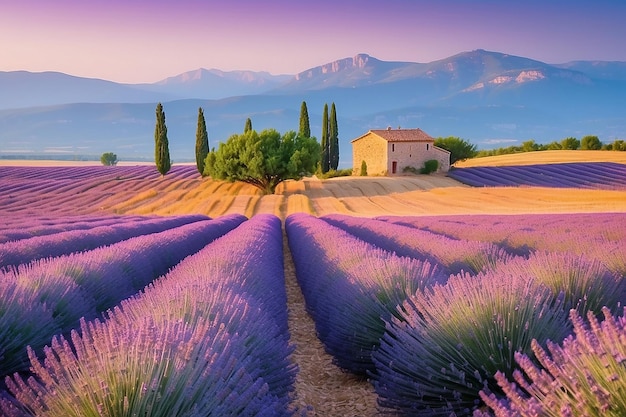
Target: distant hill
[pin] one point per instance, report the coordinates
(489, 98)
(215, 84)
(23, 89)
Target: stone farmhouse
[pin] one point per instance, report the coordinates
(389, 151)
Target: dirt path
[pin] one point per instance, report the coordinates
(322, 389)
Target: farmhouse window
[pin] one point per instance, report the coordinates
(427, 146)
(393, 147)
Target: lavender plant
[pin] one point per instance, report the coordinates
(50, 296)
(203, 340)
(451, 340)
(585, 282)
(351, 287)
(23, 320)
(585, 233)
(452, 254)
(63, 243)
(143, 368)
(585, 376)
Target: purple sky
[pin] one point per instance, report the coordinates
(146, 41)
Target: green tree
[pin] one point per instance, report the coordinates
(529, 146)
(161, 144)
(108, 159)
(570, 143)
(619, 145)
(590, 142)
(263, 159)
(202, 142)
(248, 126)
(459, 149)
(553, 146)
(333, 139)
(305, 127)
(325, 151)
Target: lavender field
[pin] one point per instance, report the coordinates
(122, 315)
(439, 320)
(592, 175)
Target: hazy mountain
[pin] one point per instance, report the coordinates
(358, 71)
(20, 89)
(214, 83)
(489, 98)
(605, 70)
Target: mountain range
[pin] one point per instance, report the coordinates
(488, 98)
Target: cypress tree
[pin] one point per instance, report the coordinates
(161, 144)
(202, 142)
(248, 125)
(325, 161)
(333, 139)
(305, 128)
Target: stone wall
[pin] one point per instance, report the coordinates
(415, 155)
(373, 150)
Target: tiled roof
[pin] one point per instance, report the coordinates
(401, 135)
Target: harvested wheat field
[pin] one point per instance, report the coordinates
(322, 389)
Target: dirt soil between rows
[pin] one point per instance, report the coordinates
(322, 388)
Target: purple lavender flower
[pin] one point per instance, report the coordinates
(451, 340)
(351, 287)
(585, 376)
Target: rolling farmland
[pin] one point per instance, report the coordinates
(313, 301)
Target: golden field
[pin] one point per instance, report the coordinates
(433, 194)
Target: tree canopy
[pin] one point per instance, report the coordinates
(459, 149)
(590, 142)
(108, 159)
(263, 159)
(570, 143)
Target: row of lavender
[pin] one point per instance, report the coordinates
(48, 296)
(596, 175)
(26, 250)
(599, 235)
(77, 173)
(69, 190)
(18, 227)
(436, 344)
(208, 338)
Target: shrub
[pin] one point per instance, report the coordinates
(451, 340)
(335, 173)
(410, 169)
(430, 166)
(363, 168)
(584, 377)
